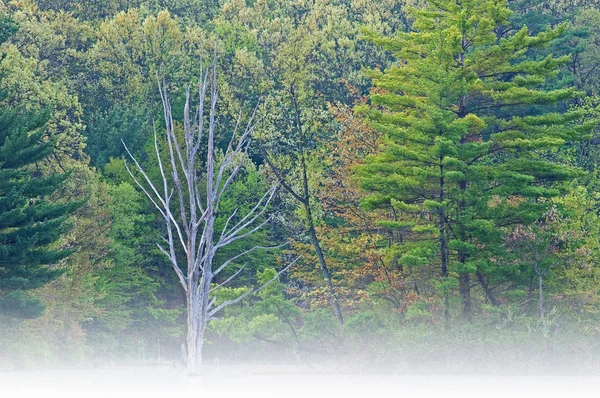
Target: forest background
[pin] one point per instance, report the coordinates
(437, 164)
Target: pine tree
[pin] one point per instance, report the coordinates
(468, 124)
(29, 222)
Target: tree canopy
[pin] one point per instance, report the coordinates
(430, 170)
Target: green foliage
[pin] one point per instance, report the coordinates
(129, 287)
(29, 223)
(17, 304)
(107, 132)
(481, 115)
(268, 318)
(8, 27)
(33, 65)
(243, 194)
(463, 152)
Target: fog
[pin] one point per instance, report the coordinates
(545, 367)
(284, 381)
(461, 362)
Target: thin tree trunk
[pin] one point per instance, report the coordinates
(326, 274)
(526, 306)
(444, 244)
(487, 290)
(446, 308)
(464, 286)
(442, 225)
(541, 299)
(464, 279)
(305, 199)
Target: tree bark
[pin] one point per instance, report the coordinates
(525, 307)
(442, 224)
(192, 336)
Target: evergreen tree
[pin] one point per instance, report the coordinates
(29, 222)
(468, 123)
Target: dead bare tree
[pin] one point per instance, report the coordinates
(190, 212)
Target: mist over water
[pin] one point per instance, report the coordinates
(435, 365)
(260, 381)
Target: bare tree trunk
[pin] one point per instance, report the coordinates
(193, 323)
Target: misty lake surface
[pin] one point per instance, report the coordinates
(283, 382)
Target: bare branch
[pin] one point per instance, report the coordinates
(232, 277)
(165, 210)
(181, 276)
(234, 237)
(243, 224)
(227, 223)
(172, 142)
(145, 191)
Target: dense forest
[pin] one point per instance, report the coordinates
(367, 182)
